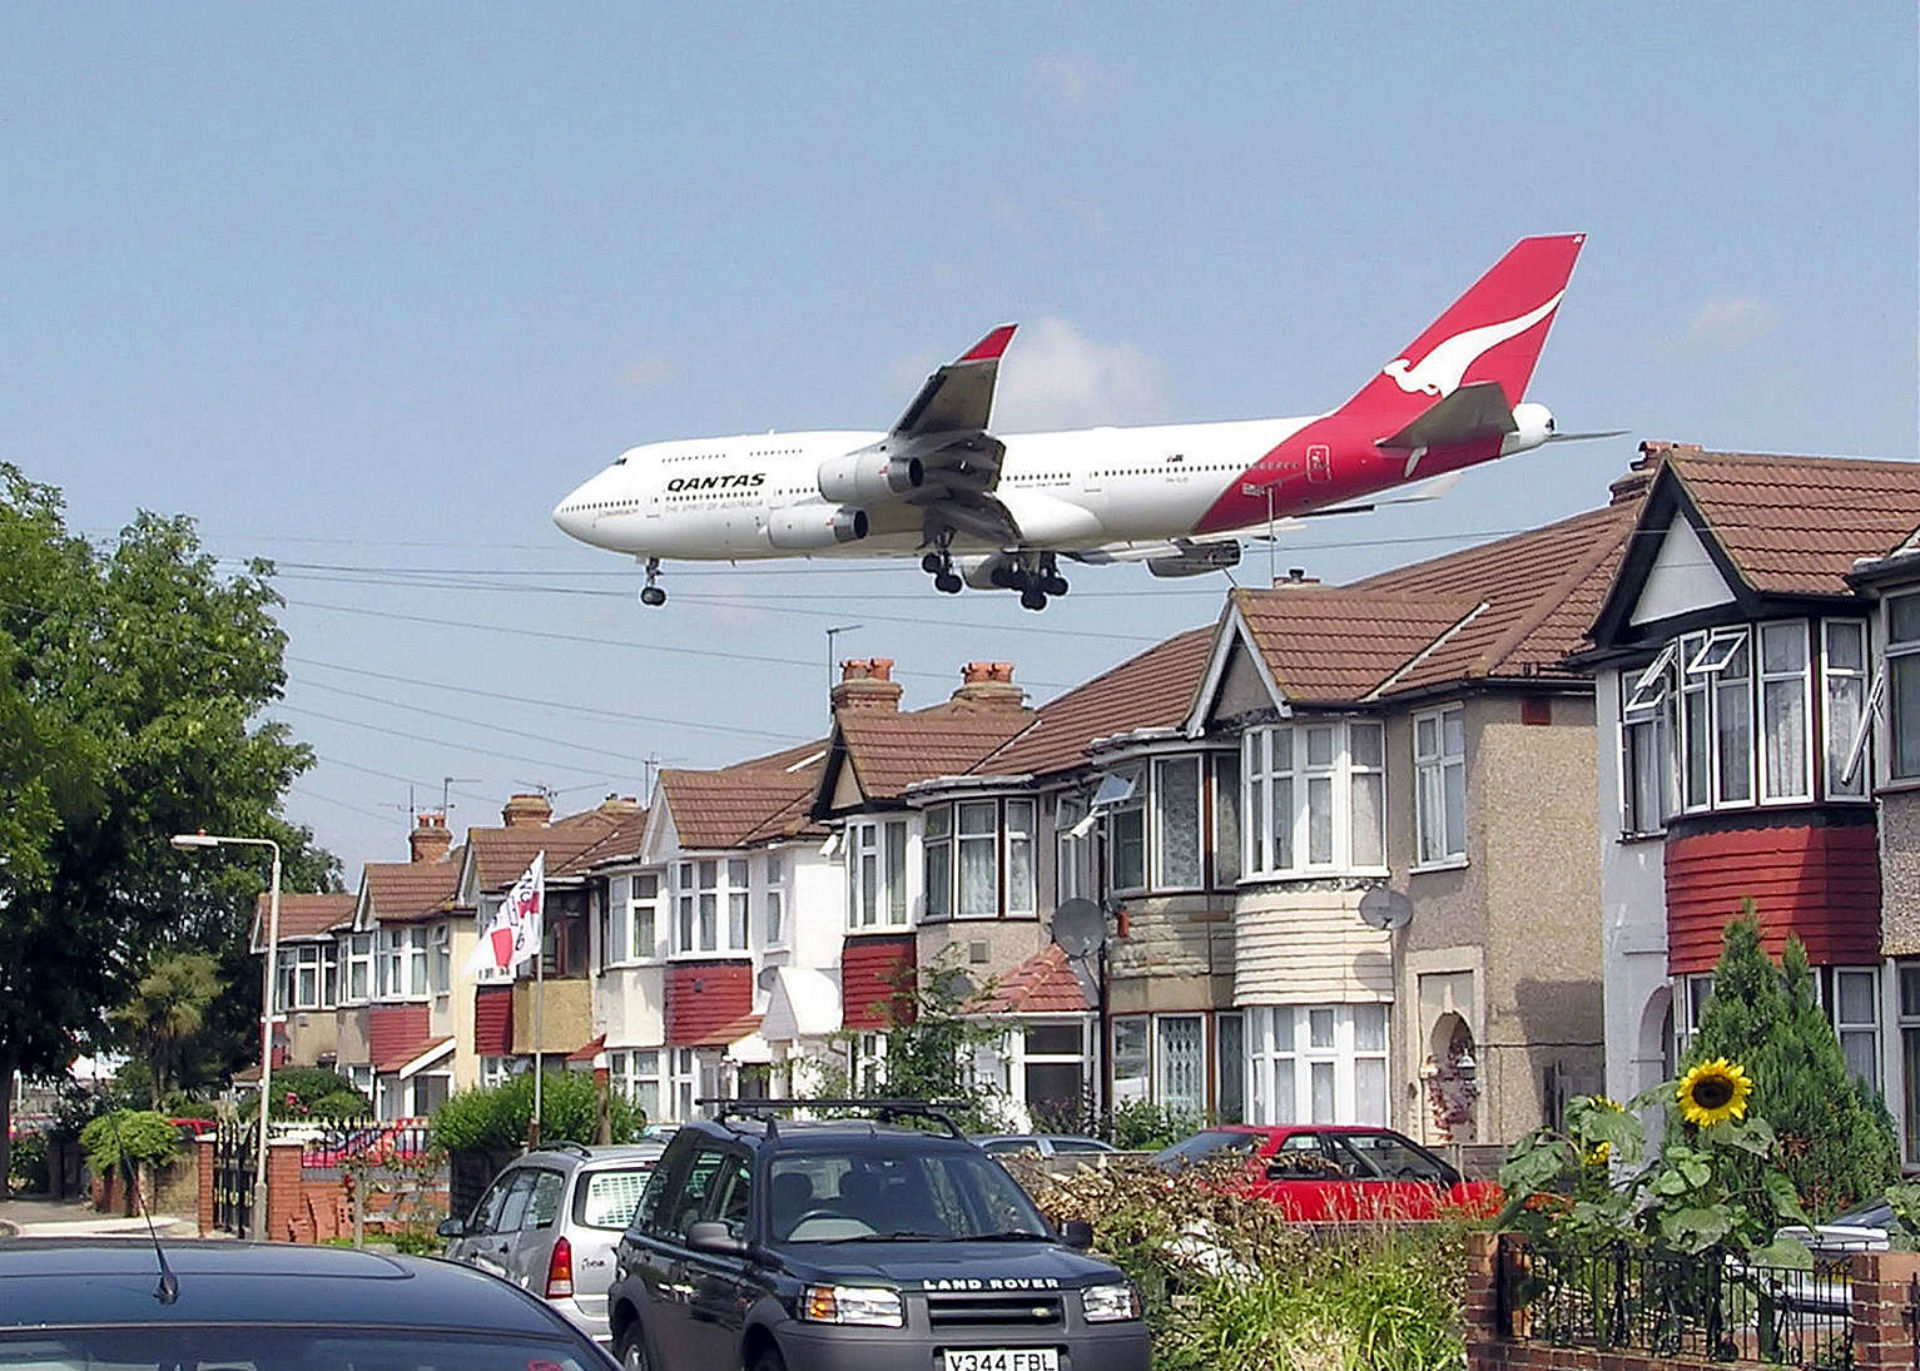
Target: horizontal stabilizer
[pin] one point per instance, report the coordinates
(1474, 413)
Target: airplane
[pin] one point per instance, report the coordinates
(1003, 511)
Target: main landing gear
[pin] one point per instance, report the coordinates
(1035, 584)
(939, 565)
(650, 594)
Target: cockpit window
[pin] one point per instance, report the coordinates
(620, 461)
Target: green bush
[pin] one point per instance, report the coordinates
(137, 1135)
(30, 1169)
(1140, 1126)
(342, 1105)
(296, 1089)
(496, 1119)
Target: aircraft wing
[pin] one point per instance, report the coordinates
(958, 397)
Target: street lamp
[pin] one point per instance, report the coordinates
(187, 842)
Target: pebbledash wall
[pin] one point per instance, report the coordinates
(1881, 1312)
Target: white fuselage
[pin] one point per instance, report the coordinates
(714, 499)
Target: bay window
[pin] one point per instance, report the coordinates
(1648, 726)
(1785, 708)
(359, 982)
(1178, 852)
(1020, 878)
(1314, 797)
(309, 976)
(1073, 848)
(876, 854)
(1318, 1063)
(642, 921)
(1127, 829)
(936, 849)
(775, 912)
(400, 964)
(1843, 692)
(978, 840)
(1903, 684)
(1440, 775)
(700, 894)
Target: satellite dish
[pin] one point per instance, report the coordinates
(1385, 908)
(1080, 927)
(951, 983)
(768, 977)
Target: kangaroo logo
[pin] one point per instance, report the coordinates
(1439, 372)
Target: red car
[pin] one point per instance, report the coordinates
(1337, 1173)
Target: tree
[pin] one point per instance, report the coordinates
(1834, 1131)
(131, 680)
(168, 1007)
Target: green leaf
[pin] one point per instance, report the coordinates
(1696, 1228)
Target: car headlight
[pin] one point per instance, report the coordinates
(1110, 1303)
(870, 1306)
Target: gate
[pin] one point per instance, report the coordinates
(234, 1146)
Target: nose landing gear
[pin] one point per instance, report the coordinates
(939, 565)
(650, 594)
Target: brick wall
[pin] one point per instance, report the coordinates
(1883, 1291)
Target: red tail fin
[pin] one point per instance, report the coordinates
(1492, 333)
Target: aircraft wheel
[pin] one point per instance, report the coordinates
(933, 564)
(1054, 585)
(947, 583)
(1033, 598)
(653, 596)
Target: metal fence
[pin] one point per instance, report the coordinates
(329, 1150)
(1713, 1306)
(234, 1157)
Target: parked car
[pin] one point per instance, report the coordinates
(73, 1302)
(1864, 1228)
(1045, 1144)
(857, 1244)
(1332, 1173)
(549, 1223)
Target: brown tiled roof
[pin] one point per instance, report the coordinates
(890, 751)
(1152, 690)
(406, 1052)
(303, 916)
(756, 801)
(621, 842)
(501, 855)
(1795, 525)
(1325, 645)
(1541, 589)
(1043, 984)
(407, 892)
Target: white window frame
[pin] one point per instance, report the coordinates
(1128, 806)
(1280, 771)
(359, 956)
(1010, 838)
(1902, 656)
(1073, 852)
(1318, 1042)
(1161, 847)
(1840, 737)
(739, 902)
(1796, 788)
(1649, 714)
(1132, 1060)
(1227, 858)
(400, 961)
(774, 929)
(648, 902)
(1859, 1030)
(636, 1073)
(1433, 808)
(878, 893)
(439, 960)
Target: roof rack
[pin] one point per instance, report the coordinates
(566, 1145)
(885, 1110)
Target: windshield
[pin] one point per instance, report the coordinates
(852, 1197)
(1213, 1145)
(252, 1347)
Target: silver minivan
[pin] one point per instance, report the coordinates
(550, 1221)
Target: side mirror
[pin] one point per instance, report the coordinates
(710, 1235)
(1077, 1234)
(451, 1228)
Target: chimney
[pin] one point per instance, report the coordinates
(990, 684)
(620, 806)
(526, 811)
(1296, 576)
(430, 841)
(1647, 466)
(867, 683)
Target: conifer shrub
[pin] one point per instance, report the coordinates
(1835, 1134)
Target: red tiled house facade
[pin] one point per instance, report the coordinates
(1734, 656)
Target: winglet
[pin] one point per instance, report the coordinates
(989, 348)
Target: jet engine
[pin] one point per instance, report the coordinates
(862, 477)
(1197, 559)
(1534, 426)
(810, 526)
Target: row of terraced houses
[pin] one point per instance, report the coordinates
(1438, 849)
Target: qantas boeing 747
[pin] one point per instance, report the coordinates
(1002, 511)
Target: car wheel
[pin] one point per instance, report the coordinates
(632, 1350)
(770, 1360)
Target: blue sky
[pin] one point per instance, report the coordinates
(366, 289)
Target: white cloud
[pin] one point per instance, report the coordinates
(1054, 376)
(1729, 322)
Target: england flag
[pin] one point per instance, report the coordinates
(514, 935)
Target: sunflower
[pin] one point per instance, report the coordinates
(1601, 1152)
(1714, 1092)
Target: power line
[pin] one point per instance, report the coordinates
(441, 742)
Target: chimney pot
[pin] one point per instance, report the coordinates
(429, 841)
(526, 811)
(867, 683)
(990, 684)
